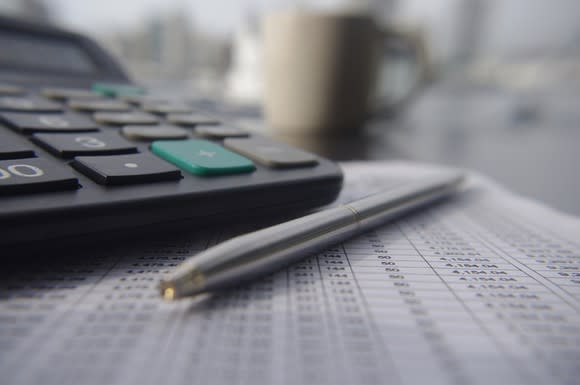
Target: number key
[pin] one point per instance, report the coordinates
(98, 105)
(154, 132)
(166, 108)
(193, 119)
(221, 131)
(29, 123)
(71, 145)
(9, 89)
(17, 103)
(34, 175)
(60, 93)
(121, 118)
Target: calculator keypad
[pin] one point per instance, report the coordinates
(104, 138)
(92, 174)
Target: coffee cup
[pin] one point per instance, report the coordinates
(321, 70)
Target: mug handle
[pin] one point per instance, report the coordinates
(404, 69)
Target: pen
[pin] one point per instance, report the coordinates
(255, 254)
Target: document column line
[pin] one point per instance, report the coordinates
(371, 317)
(463, 304)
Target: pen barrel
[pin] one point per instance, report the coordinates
(380, 208)
(252, 255)
(264, 251)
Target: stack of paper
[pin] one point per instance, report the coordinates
(481, 289)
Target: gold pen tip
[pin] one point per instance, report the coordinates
(169, 294)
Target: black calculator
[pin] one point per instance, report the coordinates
(84, 152)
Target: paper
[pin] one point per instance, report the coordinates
(483, 289)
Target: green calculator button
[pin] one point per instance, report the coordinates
(201, 157)
(117, 89)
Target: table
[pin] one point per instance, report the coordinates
(529, 142)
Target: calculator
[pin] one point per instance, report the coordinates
(87, 154)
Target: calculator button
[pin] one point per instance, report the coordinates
(71, 145)
(117, 89)
(270, 153)
(99, 105)
(28, 123)
(10, 148)
(154, 132)
(192, 119)
(32, 175)
(9, 89)
(124, 118)
(126, 169)
(70, 93)
(141, 99)
(166, 108)
(202, 157)
(18, 103)
(221, 131)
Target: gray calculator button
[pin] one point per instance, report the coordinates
(270, 153)
(28, 123)
(70, 93)
(166, 108)
(221, 131)
(99, 105)
(9, 89)
(71, 145)
(154, 132)
(141, 99)
(192, 119)
(126, 169)
(33, 175)
(20, 103)
(125, 118)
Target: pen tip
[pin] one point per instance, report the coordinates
(169, 294)
(181, 285)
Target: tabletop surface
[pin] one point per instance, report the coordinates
(528, 142)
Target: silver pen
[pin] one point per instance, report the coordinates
(255, 254)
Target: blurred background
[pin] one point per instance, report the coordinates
(502, 95)
(214, 46)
